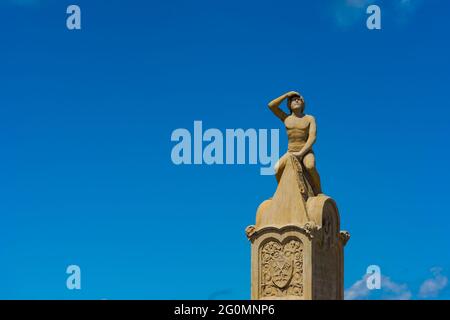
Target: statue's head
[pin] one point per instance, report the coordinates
(296, 103)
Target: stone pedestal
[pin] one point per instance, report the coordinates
(297, 246)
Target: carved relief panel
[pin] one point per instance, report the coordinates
(281, 266)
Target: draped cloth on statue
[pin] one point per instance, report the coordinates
(288, 205)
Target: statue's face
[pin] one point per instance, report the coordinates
(297, 103)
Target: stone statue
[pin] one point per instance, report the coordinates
(297, 245)
(301, 132)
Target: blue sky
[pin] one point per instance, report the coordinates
(86, 116)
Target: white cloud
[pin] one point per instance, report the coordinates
(358, 290)
(390, 290)
(394, 291)
(430, 288)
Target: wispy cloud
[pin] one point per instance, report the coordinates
(393, 290)
(430, 288)
(349, 12)
(389, 290)
(358, 290)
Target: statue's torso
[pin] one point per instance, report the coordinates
(297, 131)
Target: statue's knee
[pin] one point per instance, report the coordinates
(309, 164)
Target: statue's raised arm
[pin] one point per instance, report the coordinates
(274, 105)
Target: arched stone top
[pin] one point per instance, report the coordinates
(321, 208)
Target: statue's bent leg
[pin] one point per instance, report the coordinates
(310, 164)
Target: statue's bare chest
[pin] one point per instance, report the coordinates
(293, 122)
